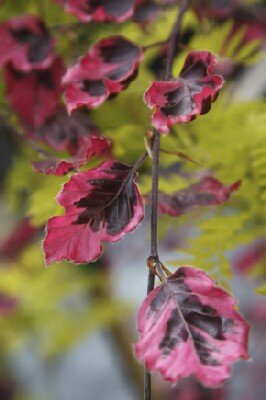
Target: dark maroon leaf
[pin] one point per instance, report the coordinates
(34, 95)
(191, 94)
(63, 132)
(107, 69)
(26, 43)
(189, 326)
(102, 204)
(208, 192)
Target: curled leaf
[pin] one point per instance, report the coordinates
(102, 204)
(26, 43)
(107, 69)
(189, 326)
(208, 192)
(191, 94)
(34, 95)
(63, 132)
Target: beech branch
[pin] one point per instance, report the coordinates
(173, 43)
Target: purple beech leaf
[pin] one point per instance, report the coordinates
(102, 205)
(26, 43)
(189, 326)
(181, 100)
(63, 132)
(207, 192)
(34, 95)
(108, 68)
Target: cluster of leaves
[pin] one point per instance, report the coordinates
(187, 317)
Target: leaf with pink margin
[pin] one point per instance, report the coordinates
(34, 95)
(191, 94)
(108, 68)
(101, 10)
(102, 205)
(90, 146)
(63, 132)
(26, 43)
(207, 192)
(189, 326)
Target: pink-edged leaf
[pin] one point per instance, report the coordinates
(8, 304)
(250, 255)
(207, 192)
(189, 326)
(53, 166)
(63, 132)
(191, 94)
(26, 43)
(101, 10)
(102, 204)
(90, 146)
(145, 11)
(22, 234)
(34, 95)
(107, 69)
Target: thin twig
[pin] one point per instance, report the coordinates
(139, 162)
(154, 195)
(173, 43)
(154, 249)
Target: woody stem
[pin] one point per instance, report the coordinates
(173, 44)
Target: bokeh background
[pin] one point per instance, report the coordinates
(66, 332)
